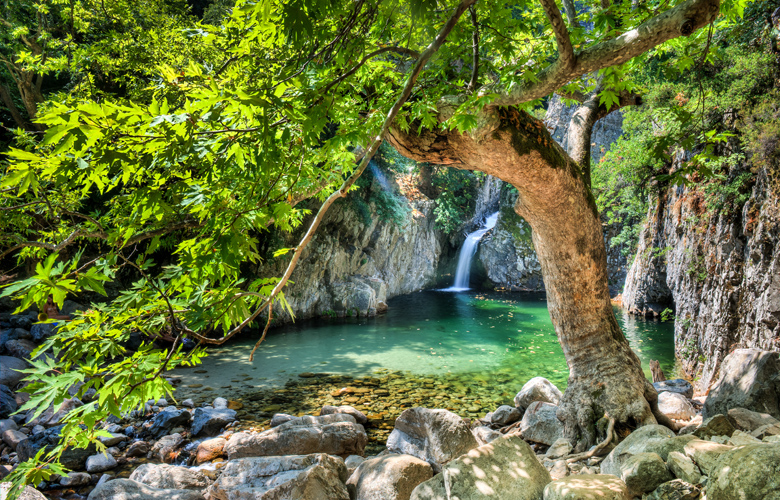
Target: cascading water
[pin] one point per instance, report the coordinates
(467, 252)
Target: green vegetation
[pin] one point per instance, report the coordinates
(455, 204)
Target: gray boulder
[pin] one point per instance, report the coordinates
(645, 439)
(678, 386)
(171, 477)
(436, 436)
(676, 406)
(683, 467)
(717, 425)
(9, 374)
(8, 404)
(485, 434)
(675, 490)
(706, 454)
(587, 486)
(643, 472)
(359, 416)
(505, 415)
(389, 477)
(281, 418)
(20, 348)
(164, 449)
(750, 379)
(29, 493)
(209, 421)
(168, 419)
(13, 438)
(127, 489)
(75, 479)
(42, 331)
(538, 389)
(300, 477)
(100, 462)
(540, 423)
(748, 420)
(334, 434)
(506, 468)
(748, 472)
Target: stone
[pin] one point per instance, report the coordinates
(75, 479)
(675, 490)
(127, 489)
(505, 469)
(749, 472)
(538, 389)
(210, 449)
(334, 434)
(388, 477)
(717, 425)
(13, 438)
(100, 462)
(42, 331)
(8, 404)
(485, 434)
(165, 448)
(188, 403)
(748, 420)
(766, 430)
(280, 418)
(29, 493)
(138, 449)
(220, 403)
(645, 439)
(352, 463)
(559, 449)
(540, 423)
(677, 386)
(73, 458)
(675, 406)
(114, 440)
(706, 453)
(683, 467)
(170, 477)
(740, 438)
(168, 419)
(359, 416)
(301, 477)
(209, 421)
(8, 425)
(559, 470)
(505, 415)
(9, 374)
(643, 472)
(20, 348)
(587, 487)
(436, 436)
(749, 379)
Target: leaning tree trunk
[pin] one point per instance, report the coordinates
(605, 375)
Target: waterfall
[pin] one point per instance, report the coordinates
(467, 252)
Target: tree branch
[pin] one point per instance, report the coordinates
(565, 50)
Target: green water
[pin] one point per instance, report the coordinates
(485, 338)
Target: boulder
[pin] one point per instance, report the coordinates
(168, 419)
(9, 374)
(20, 348)
(643, 472)
(587, 487)
(29, 493)
(505, 415)
(706, 453)
(8, 425)
(766, 431)
(683, 467)
(678, 386)
(8, 404)
(675, 490)
(334, 434)
(73, 458)
(749, 472)
(138, 449)
(748, 420)
(676, 406)
(645, 439)
(559, 449)
(538, 389)
(100, 462)
(300, 477)
(210, 449)
(170, 477)
(220, 403)
(352, 462)
(485, 434)
(436, 436)
(717, 425)
(209, 421)
(42, 331)
(540, 423)
(281, 418)
(75, 479)
(165, 448)
(359, 416)
(389, 477)
(13, 438)
(740, 438)
(506, 468)
(749, 379)
(127, 489)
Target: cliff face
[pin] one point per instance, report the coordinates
(719, 270)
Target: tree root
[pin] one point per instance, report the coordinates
(588, 454)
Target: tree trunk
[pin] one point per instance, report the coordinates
(605, 375)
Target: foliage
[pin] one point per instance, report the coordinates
(458, 195)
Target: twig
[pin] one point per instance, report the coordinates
(265, 331)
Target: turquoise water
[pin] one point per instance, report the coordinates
(503, 337)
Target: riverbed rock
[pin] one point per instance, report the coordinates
(748, 472)
(675, 490)
(485, 434)
(587, 487)
(748, 420)
(20, 348)
(706, 454)
(75, 479)
(506, 468)
(209, 421)
(8, 404)
(349, 410)
(389, 477)
(42, 331)
(301, 477)
(643, 472)
(677, 385)
(100, 462)
(165, 448)
(9, 374)
(646, 438)
(560, 448)
(168, 419)
(138, 449)
(540, 423)
(436, 436)
(538, 389)
(352, 462)
(717, 425)
(336, 434)
(505, 415)
(127, 489)
(210, 449)
(13, 438)
(750, 378)
(281, 418)
(29, 493)
(73, 458)
(170, 477)
(683, 467)
(676, 406)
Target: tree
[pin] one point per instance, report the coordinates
(290, 100)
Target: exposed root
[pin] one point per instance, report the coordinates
(588, 454)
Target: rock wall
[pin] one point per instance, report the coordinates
(721, 271)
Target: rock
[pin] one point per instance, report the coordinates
(740, 438)
(9, 374)
(749, 472)
(170, 477)
(8, 425)
(20, 348)
(8, 404)
(505, 469)
(683, 467)
(645, 439)
(675, 490)
(100, 462)
(348, 410)
(747, 420)
(643, 472)
(188, 403)
(505, 415)
(485, 434)
(352, 463)
(678, 386)
(73, 458)
(75, 479)
(165, 448)
(168, 419)
(766, 430)
(127, 489)
(717, 425)
(436, 436)
(138, 449)
(334, 434)
(209, 421)
(29, 493)
(559, 470)
(210, 449)
(587, 487)
(560, 448)
(114, 440)
(301, 477)
(538, 389)
(13, 438)
(220, 403)
(42, 331)
(540, 423)
(706, 454)
(675, 405)
(281, 418)
(389, 477)
(750, 379)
